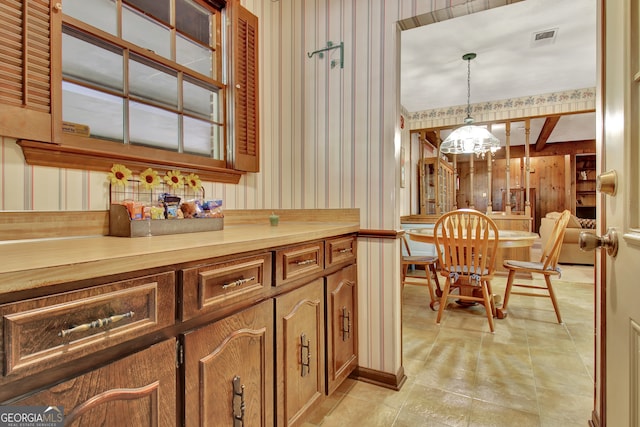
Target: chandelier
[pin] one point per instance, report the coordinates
(469, 138)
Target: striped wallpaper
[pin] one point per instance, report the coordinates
(330, 139)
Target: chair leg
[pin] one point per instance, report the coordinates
(553, 297)
(405, 268)
(443, 299)
(487, 304)
(501, 312)
(434, 268)
(491, 300)
(432, 295)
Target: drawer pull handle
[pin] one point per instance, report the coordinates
(306, 261)
(95, 324)
(305, 361)
(346, 324)
(238, 282)
(238, 402)
(345, 250)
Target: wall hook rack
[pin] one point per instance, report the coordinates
(330, 46)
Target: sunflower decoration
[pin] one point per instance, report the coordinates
(119, 175)
(149, 179)
(174, 179)
(193, 181)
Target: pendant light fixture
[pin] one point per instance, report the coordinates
(469, 138)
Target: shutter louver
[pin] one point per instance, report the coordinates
(24, 54)
(246, 92)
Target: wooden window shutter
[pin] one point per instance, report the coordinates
(247, 147)
(25, 69)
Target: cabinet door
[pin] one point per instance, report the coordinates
(229, 370)
(342, 336)
(300, 351)
(138, 390)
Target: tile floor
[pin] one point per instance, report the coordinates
(531, 372)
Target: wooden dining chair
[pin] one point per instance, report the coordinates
(429, 263)
(547, 266)
(467, 241)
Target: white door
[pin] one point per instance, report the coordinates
(620, 276)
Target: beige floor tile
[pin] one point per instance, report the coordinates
(565, 406)
(531, 372)
(370, 393)
(408, 419)
(357, 412)
(484, 414)
(450, 409)
(518, 393)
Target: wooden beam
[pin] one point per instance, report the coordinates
(432, 138)
(552, 149)
(549, 124)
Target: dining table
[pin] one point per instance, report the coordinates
(512, 244)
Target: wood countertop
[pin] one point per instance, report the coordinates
(42, 262)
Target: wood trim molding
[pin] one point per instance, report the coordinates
(380, 234)
(380, 378)
(75, 157)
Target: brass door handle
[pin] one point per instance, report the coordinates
(589, 241)
(607, 183)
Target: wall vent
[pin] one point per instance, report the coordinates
(544, 37)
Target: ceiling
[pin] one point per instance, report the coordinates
(509, 64)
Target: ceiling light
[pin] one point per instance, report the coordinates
(469, 138)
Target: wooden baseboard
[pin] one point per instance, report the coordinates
(380, 378)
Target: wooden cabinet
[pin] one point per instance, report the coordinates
(138, 390)
(585, 186)
(436, 186)
(256, 339)
(342, 332)
(228, 370)
(299, 352)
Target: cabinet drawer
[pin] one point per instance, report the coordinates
(45, 332)
(296, 262)
(208, 288)
(341, 250)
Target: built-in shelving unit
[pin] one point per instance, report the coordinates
(436, 186)
(585, 185)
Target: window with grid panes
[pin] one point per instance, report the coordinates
(145, 72)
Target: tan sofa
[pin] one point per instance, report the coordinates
(570, 252)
